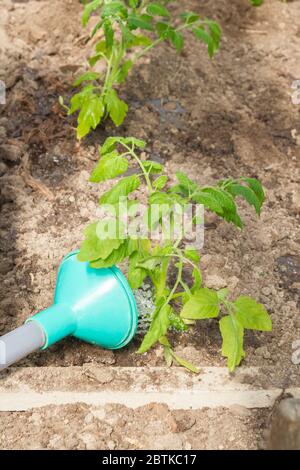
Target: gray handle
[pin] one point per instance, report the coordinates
(19, 343)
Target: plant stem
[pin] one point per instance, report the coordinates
(140, 163)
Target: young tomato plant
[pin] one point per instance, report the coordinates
(128, 30)
(178, 303)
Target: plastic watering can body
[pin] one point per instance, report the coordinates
(94, 305)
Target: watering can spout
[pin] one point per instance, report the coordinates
(94, 305)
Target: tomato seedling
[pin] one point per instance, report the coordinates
(178, 303)
(128, 30)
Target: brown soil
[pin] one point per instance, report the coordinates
(229, 116)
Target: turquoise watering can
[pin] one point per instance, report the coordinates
(94, 305)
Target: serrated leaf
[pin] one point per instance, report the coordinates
(252, 315)
(226, 201)
(204, 303)
(197, 280)
(185, 183)
(109, 34)
(88, 9)
(164, 29)
(78, 99)
(109, 166)
(124, 187)
(168, 356)
(193, 255)
(132, 141)
(93, 247)
(233, 336)
(184, 363)
(141, 22)
(116, 256)
(160, 182)
(209, 201)
(215, 32)
(155, 9)
(114, 8)
(152, 167)
(159, 326)
(205, 37)
(90, 115)
(177, 40)
(222, 293)
(116, 108)
(256, 186)
(236, 189)
(136, 275)
(190, 17)
(88, 76)
(124, 70)
(140, 40)
(94, 59)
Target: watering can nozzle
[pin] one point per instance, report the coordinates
(94, 305)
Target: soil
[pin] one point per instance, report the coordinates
(119, 427)
(230, 116)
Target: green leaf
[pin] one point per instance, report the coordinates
(136, 275)
(168, 356)
(226, 201)
(256, 186)
(186, 185)
(132, 141)
(160, 182)
(94, 59)
(124, 70)
(88, 9)
(109, 166)
(116, 256)
(252, 315)
(88, 76)
(236, 189)
(257, 3)
(158, 328)
(204, 303)
(155, 9)
(109, 34)
(185, 363)
(233, 336)
(209, 201)
(142, 22)
(116, 108)
(222, 293)
(177, 40)
(124, 187)
(140, 40)
(96, 28)
(101, 47)
(152, 167)
(164, 29)
(205, 37)
(197, 280)
(90, 116)
(93, 247)
(215, 32)
(114, 8)
(193, 255)
(190, 17)
(78, 99)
